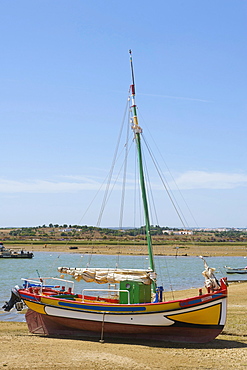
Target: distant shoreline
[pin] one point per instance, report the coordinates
(206, 250)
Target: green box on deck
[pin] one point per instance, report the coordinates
(138, 292)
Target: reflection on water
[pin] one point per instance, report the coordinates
(173, 273)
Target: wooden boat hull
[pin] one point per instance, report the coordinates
(177, 321)
(28, 257)
(57, 326)
(9, 253)
(18, 256)
(237, 271)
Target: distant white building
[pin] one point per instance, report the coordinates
(178, 232)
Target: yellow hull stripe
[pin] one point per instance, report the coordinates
(50, 301)
(37, 307)
(205, 316)
(163, 307)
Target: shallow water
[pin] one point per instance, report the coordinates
(173, 272)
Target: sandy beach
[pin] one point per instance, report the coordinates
(22, 350)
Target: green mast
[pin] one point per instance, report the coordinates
(137, 130)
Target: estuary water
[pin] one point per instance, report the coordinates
(174, 273)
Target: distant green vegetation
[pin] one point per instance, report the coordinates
(81, 234)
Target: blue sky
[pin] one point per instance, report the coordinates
(65, 77)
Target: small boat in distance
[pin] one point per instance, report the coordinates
(10, 253)
(132, 305)
(240, 270)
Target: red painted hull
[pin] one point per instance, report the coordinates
(57, 326)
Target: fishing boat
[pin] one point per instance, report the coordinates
(132, 305)
(10, 253)
(240, 270)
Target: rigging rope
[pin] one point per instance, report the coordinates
(124, 178)
(169, 192)
(112, 167)
(174, 181)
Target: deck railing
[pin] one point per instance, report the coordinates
(42, 283)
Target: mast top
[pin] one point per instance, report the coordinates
(132, 74)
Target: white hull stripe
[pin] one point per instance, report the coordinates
(156, 319)
(147, 319)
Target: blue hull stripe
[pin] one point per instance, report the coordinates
(29, 298)
(199, 300)
(101, 308)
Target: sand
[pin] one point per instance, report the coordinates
(22, 350)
